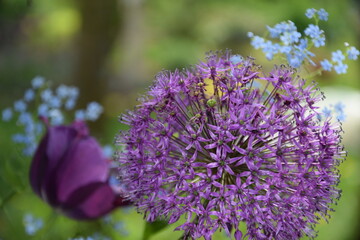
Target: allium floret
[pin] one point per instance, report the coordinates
(225, 145)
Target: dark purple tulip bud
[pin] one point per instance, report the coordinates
(70, 172)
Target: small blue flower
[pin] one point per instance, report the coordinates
(270, 49)
(73, 92)
(256, 84)
(80, 115)
(43, 110)
(323, 15)
(326, 65)
(236, 59)
(29, 95)
(120, 227)
(20, 138)
(32, 224)
(339, 107)
(341, 68)
(289, 26)
(320, 41)
(310, 12)
(341, 117)
(303, 44)
(316, 34)
(39, 128)
(70, 104)
(257, 42)
(295, 60)
(56, 117)
(326, 112)
(7, 114)
(62, 91)
(313, 31)
(29, 149)
(38, 82)
(353, 53)
(299, 53)
(30, 129)
(339, 111)
(285, 49)
(20, 106)
(25, 118)
(275, 31)
(93, 111)
(250, 34)
(108, 151)
(337, 56)
(55, 102)
(114, 181)
(281, 28)
(290, 37)
(28, 139)
(46, 95)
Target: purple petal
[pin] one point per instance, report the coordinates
(47, 158)
(91, 201)
(84, 163)
(238, 235)
(38, 166)
(212, 165)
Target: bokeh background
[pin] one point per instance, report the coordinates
(113, 49)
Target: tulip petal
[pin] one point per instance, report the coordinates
(38, 166)
(84, 163)
(91, 201)
(60, 138)
(47, 157)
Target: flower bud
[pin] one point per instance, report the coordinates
(70, 172)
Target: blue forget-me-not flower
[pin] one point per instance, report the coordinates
(32, 224)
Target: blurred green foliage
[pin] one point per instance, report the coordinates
(41, 37)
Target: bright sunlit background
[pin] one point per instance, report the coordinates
(113, 49)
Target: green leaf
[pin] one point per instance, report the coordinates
(153, 227)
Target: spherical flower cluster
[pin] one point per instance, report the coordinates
(225, 145)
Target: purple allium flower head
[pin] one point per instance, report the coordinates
(212, 146)
(70, 172)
